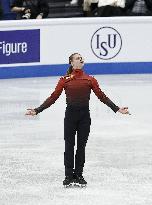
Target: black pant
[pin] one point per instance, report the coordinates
(106, 11)
(148, 13)
(77, 119)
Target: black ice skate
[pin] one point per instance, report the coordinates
(68, 181)
(80, 181)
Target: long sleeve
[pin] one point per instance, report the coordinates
(44, 8)
(101, 95)
(149, 4)
(16, 3)
(53, 97)
(129, 4)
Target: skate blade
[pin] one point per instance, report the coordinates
(80, 185)
(67, 186)
(83, 185)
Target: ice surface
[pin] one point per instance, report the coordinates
(118, 165)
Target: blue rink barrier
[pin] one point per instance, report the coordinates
(60, 70)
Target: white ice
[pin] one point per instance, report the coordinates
(118, 165)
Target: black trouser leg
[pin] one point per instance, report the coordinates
(83, 131)
(69, 137)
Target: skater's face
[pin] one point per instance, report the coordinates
(77, 61)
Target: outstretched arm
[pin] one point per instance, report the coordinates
(124, 110)
(49, 101)
(103, 98)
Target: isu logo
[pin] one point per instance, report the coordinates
(106, 43)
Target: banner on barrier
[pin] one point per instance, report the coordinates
(20, 46)
(108, 45)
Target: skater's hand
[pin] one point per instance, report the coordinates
(39, 17)
(30, 112)
(124, 110)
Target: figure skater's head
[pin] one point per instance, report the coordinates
(76, 61)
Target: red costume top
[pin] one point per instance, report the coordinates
(77, 86)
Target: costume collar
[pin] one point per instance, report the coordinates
(77, 72)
